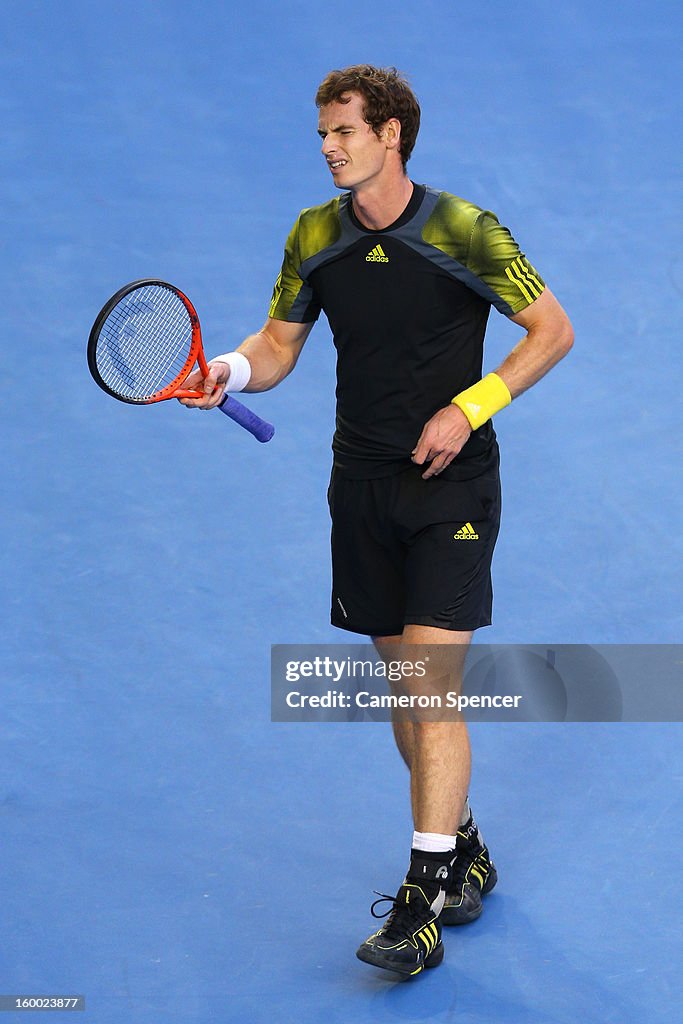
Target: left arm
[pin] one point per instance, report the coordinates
(548, 339)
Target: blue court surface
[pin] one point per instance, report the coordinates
(166, 850)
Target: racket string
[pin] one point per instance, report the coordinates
(144, 342)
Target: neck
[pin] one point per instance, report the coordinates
(379, 204)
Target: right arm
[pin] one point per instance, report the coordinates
(272, 353)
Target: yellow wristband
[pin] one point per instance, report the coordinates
(483, 400)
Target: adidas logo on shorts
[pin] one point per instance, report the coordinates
(466, 532)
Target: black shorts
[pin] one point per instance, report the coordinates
(412, 551)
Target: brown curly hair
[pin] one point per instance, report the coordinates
(386, 94)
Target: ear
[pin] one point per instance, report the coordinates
(391, 133)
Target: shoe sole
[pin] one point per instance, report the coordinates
(454, 916)
(405, 970)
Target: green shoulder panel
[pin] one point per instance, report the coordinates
(316, 228)
(319, 227)
(476, 240)
(450, 226)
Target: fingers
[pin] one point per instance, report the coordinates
(210, 381)
(439, 463)
(442, 438)
(428, 449)
(213, 387)
(192, 403)
(215, 384)
(422, 451)
(213, 390)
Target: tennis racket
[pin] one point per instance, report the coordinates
(144, 344)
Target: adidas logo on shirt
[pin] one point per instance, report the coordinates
(377, 255)
(466, 532)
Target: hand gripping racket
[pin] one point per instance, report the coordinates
(144, 344)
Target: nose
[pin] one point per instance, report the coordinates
(328, 146)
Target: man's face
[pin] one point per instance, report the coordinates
(354, 153)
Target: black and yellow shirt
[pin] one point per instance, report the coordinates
(408, 307)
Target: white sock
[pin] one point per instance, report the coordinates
(433, 842)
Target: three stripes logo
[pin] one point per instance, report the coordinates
(429, 936)
(377, 255)
(466, 532)
(519, 272)
(479, 872)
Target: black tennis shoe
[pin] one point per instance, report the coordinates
(474, 875)
(410, 940)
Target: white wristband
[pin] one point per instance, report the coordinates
(240, 370)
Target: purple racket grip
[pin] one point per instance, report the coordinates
(261, 429)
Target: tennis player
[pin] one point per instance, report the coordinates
(407, 275)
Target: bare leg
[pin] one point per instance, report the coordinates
(436, 753)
